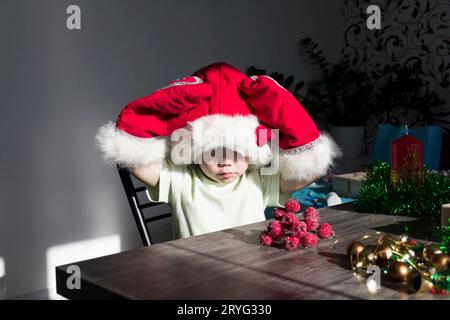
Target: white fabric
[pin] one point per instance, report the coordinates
(201, 205)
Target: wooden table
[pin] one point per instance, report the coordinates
(231, 264)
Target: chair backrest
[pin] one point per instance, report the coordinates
(137, 208)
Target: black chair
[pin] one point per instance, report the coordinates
(154, 208)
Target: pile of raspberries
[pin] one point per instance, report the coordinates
(288, 231)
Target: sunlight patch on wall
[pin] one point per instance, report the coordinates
(2, 267)
(2, 278)
(77, 251)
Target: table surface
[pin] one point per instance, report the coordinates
(231, 264)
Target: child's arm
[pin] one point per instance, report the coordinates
(147, 174)
(292, 186)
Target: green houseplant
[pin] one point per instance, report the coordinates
(341, 95)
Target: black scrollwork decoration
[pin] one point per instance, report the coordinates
(413, 34)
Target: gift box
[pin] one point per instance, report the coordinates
(348, 184)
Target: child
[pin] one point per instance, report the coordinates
(201, 144)
(214, 195)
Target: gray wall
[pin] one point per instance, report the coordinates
(58, 86)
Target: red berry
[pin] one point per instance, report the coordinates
(288, 219)
(278, 213)
(311, 213)
(311, 224)
(292, 205)
(290, 243)
(265, 238)
(309, 240)
(325, 231)
(298, 229)
(274, 228)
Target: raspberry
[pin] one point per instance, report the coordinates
(289, 232)
(278, 213)
(290, 243)
(311, 213)
(292, 205)
(265, 238)
(309, 240)
(298, 229)
(311, 225)
(287, 219)
(274, 228)
(325, 231)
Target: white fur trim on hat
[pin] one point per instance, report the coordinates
(236, 133)
(119, 147)
(309, 161)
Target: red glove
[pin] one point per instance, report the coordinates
(279, 109)
(157, 114)
(305, 152)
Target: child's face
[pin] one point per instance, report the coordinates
(226, 168)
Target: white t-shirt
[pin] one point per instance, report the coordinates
(200, 205)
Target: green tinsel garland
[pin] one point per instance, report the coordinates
(408, 199)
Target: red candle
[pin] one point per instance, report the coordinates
(406, 158)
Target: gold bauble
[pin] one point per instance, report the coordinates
(417, 282)
(388, 241)
(352, 246)
(398, 271)
(430, 250)
(382, 239)
(383, 253)
(353, 251)
(368, 255)
(413, 281)
(440, 261)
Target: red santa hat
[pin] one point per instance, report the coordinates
(218, 106)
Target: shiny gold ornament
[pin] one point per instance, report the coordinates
(398, 271)
(353, 251)
(402, 259)
(383, 253)
(440, 261)
(352, 246)
(388, 241)
(430, 250)
(413, 281)
(367, 255)
(382, 239)
(416, 282)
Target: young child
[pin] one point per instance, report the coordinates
(201, 144)
(214, 195)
